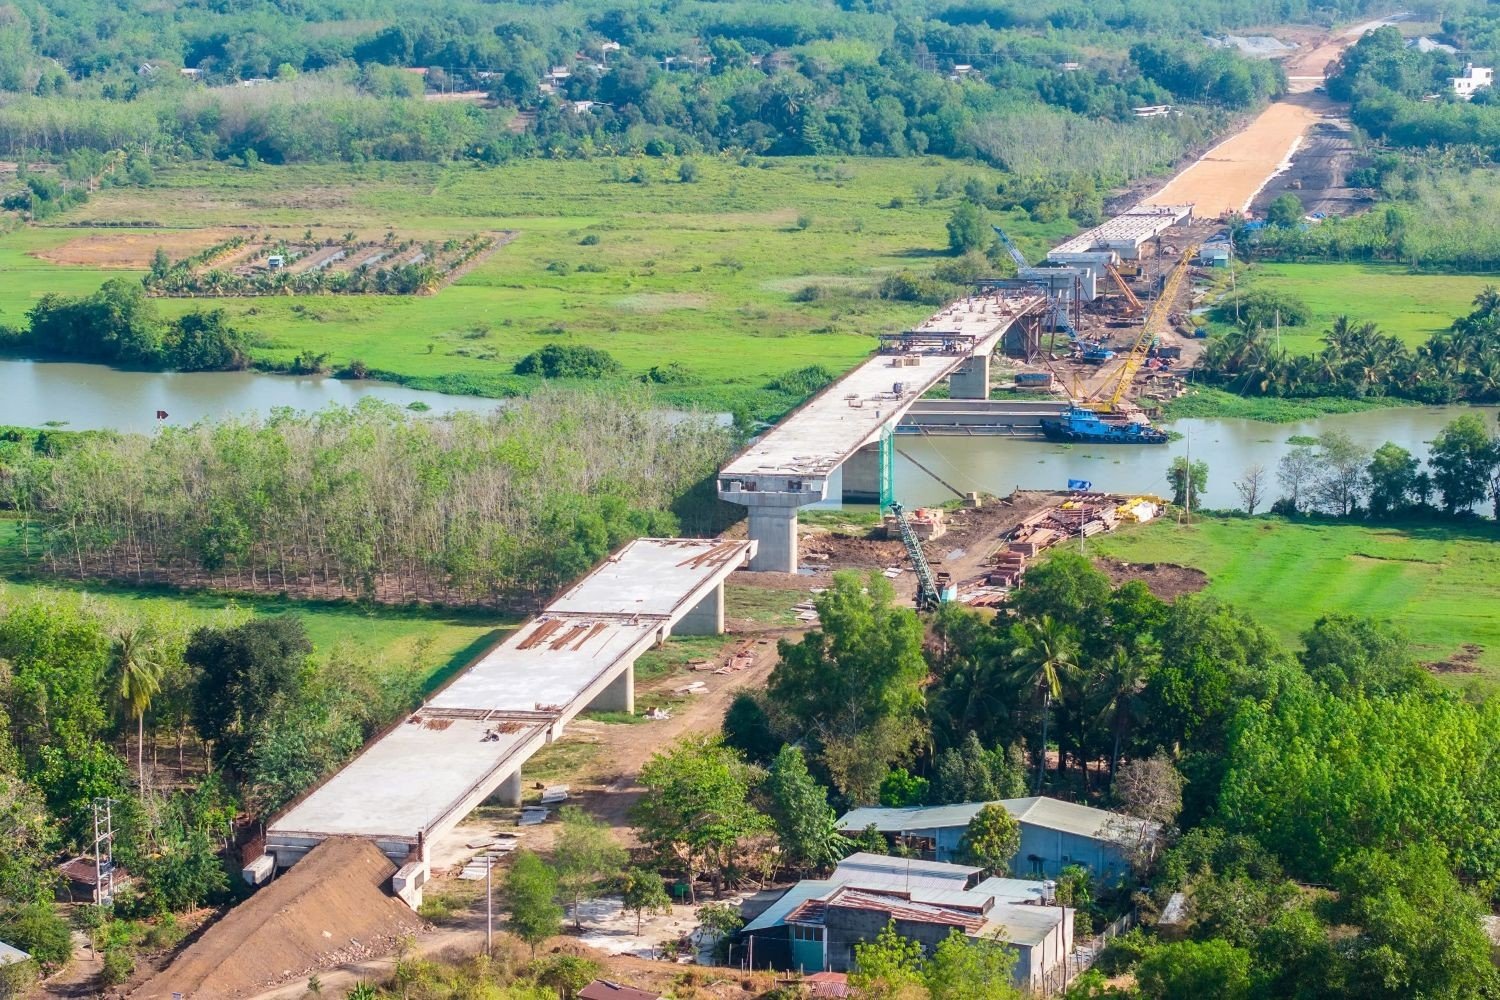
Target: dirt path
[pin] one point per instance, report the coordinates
(1228, 177)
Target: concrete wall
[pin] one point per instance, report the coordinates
(1048, 852)
(847, 927)
(706, 617)
(862, 475)
(972, 381)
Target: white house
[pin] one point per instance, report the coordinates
(1475, 78)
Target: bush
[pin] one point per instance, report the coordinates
(568, 361)
(119, 966)
(1261, 307)
(801, 381)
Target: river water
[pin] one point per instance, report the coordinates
(94, 397)
(999, 465)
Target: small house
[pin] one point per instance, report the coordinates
(816, 925)
(275, 262)
(1474, 79)
(82, 882)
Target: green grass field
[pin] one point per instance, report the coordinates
(1440, 583)
(704, 274)
(434, 643)
(1410, 306)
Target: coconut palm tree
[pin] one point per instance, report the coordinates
(1048, 654)
(139, 666)
(1120, 679)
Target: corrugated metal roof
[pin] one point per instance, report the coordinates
(1021, 923)
(10, 953)
(849, 897)
(1038, 810)
(1012, 890)
(879, 869)
(776, 913)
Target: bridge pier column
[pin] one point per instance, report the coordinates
(972, 381)
(862, 475)
(619, 696)
(509, 792)
(774, 530)
(706, 618)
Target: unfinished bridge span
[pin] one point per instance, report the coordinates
(851, 423)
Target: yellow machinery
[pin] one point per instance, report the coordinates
(1155, 325)
(1125, 290)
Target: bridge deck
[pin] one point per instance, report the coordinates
(482, 726)
(817, 438)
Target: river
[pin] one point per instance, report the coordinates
(999, 465)
(94, 397)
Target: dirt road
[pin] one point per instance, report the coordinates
(1228, 177)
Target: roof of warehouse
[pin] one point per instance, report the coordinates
(1038, 810)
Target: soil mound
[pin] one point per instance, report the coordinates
(332, 907)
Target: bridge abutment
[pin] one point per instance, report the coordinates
(862, 475)
(619, 696)
(706, 617)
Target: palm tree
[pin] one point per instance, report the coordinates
(1119, 680)
(1048, 655)
(139, 669)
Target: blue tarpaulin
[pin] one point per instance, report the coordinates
(1080, 484)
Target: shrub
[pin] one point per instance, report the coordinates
(568, 361)
(119, 966)
(801, 381)
(1260, 307)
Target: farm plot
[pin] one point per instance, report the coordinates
(264, 263)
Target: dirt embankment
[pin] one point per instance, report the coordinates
(1166, 580)
(330, 908)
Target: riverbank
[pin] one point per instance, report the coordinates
(1208, 403)
(1438, 581)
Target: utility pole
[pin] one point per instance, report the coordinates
(489, 905)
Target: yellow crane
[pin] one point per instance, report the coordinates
(1125, 289)
(1155, 325)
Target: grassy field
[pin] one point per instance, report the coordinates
(1410, 306)
(433, 643)
(709, 275)
(1440, 583)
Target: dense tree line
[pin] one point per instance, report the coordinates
(1357, 360)
(793, 78)
(1340, 763)
(119, 325)
(370, 502)
(91, 696)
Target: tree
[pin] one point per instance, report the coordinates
(586, 858)
(888, 968)
(962, 968)
(747, 727)
(644, 892)
(1191, 970)
(1341, 480)
(1069, 588)
(140, 664)
(1462, 459)
(244, 670)
(696, 810)
(1348, 654)
(1251, 487)
(856, 683)
(1047, 654)
(805, 824)
(1285, 211)
(1392, 478)
(531, 892)
(38, 929)
(182, 874)
(1420, 934)
(991, 839)
(1115, 687)
(1188, 481)
(568, 974)
(1296, 472)
(968, 229)
(1150, 789)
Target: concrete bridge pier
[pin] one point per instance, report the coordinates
(862, 475)
(509, 792)
(619, 696)
(971, 381)
(706, 617)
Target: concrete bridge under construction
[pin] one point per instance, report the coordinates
(851, 423)
(469, 741)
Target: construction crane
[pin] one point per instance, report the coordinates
(1154, 326)
(927, 590)
(1060, 314)
(1125, 290)
(1010, 248)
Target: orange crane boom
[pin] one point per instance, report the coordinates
(1155, 324)
(1125, 290)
